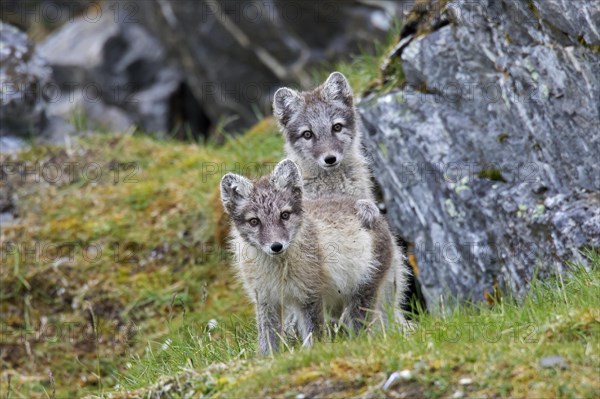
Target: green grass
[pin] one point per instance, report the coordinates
(364, 70)
(155, 216)
(145, 309)
(497, 348)
(97, 266)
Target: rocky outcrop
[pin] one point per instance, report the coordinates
(236, 53)
(113, 71)
(193, 67)
(489, 153)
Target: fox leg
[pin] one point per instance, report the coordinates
(361, 303)
(310, 321)
(268, 317)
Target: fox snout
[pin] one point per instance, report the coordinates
(276, 248)
(331, 160)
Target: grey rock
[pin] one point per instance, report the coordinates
(10, 144)
(489, 156)
(236, 53)
(553, 361)
(24, 76)
(113, 71)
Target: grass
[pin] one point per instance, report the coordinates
(118, 247)
(105, 253)
(476, 350)
(114, 281)
(364, 69)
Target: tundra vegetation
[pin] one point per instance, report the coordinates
(116, 283)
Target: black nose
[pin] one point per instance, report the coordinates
(276, 247)
(330, 159)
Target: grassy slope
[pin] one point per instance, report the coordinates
(161, 272)
(160, 232)
(142, 317)
(495, 351)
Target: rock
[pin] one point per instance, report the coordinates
(24, 75)
(395, 378)
(489, 154)
(391, 382)
(112, 70)
(406, 375)
(553, 361)
(236, 53)
(9, 144)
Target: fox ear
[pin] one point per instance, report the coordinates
(285, 103)
(234, 189)
(286, 176)
(337, 88)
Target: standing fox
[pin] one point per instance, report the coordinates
(323, 136)
(299, 256)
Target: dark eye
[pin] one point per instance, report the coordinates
(307, 134)
(285, 215)
(254, 222)
(337, 127)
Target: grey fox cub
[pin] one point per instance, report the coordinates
(323, 136)
(299, 256)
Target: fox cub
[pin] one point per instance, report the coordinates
(323, 136)
(322, 132)
(303, 257)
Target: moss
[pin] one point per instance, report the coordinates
(533, 8)
(159, 230)
(383, 149)
(594, 47)
(491, 174)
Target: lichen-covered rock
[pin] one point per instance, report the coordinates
(489, 156)
(23, 76)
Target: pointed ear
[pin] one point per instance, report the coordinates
(234, 190)
(337, 88)
(287, 176)
(286, 102)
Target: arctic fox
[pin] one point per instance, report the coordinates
(323, 136)
(301, 257)
(322, 132)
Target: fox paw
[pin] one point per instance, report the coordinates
(367, 213)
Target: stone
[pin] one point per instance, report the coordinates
(24, 75)
(113, 71)
(498, 102)
(553, 362)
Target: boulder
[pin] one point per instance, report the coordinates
(113, 71)
(488, 154)
(236, 53)
(24, 76)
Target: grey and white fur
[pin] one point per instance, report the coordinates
(322, 132)
(303, 257)
(323, 136)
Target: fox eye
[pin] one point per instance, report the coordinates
(337, 127)
(285, 215)
(307, 134)
(254, 222)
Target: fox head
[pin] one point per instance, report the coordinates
(267, 213)
(319, 125)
